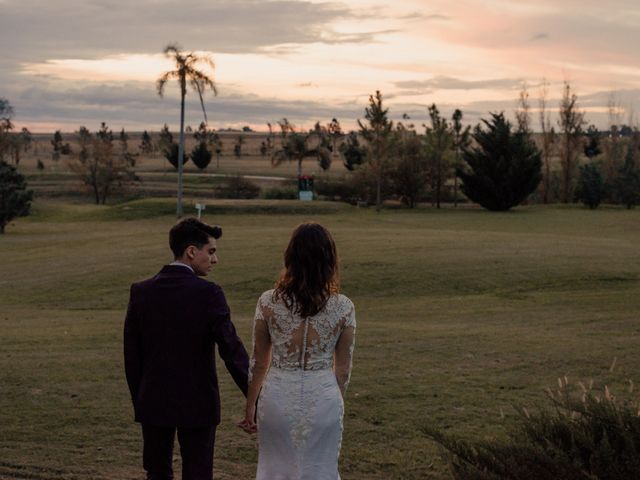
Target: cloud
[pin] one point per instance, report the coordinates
(441, 82)
(87, 29)
(135, 105)
(539, 36)
(428, 17)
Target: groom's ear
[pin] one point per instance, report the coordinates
(190, 251)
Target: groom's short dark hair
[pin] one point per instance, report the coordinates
(191, 231)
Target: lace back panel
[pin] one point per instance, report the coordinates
(304, 343)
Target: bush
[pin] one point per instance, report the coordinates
(627, 185)
(338, 189)
(171, 154)
(201, 156)
(585, 437)
(280, 193)
(590, 189)
(238, 187)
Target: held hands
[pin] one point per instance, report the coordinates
(248, 424)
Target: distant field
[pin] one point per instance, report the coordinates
(462, 314)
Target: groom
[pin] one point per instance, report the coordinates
(172, 322)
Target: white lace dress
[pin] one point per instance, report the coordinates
(303, 365)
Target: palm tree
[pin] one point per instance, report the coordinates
(186, 71)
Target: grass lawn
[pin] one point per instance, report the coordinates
(462, 314)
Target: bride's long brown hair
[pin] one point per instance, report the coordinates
(310, 273)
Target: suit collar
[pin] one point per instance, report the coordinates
(177, 270)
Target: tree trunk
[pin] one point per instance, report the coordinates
(547, 179)
(455, 191)
(96, 192)
(379, 189)
(438, 183)
(455, 180)
(566, 170)
(179, 210)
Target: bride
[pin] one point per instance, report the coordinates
(303, 341)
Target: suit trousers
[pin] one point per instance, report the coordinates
(196, 450)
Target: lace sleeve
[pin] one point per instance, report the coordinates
(261, 354)
(344, 348)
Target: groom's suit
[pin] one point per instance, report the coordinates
(173, 320)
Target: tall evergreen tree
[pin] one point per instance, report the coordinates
(377, 133)
(439, 142)
(461, 140)
(503, 169)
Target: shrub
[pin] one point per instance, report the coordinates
(201, 156)
(336, 189)
(238, 187)
(586, 436)
(171, 154)
(280, 193)
(627, 185)
(590, 189)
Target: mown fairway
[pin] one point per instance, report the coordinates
(461, 315)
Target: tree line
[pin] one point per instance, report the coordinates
(496, 164)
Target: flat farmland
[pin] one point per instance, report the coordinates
(462, 315)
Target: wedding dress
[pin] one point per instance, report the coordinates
(304, 365)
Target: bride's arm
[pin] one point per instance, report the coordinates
(260, 360)
(344, 351)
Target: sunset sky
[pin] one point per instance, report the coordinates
(68, 63)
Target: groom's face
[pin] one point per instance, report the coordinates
(204, 258)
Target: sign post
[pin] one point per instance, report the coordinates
(200, 207)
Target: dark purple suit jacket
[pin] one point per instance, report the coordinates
(172, 323)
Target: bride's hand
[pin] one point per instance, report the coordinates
(248, 424)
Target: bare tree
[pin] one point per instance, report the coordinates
(523, 110)
(98, 167)
(571, 121)
(19, 143)
(334, 130)
(186, 72)
(548, 139)
(613, 147)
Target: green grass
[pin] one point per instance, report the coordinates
(461, 315)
